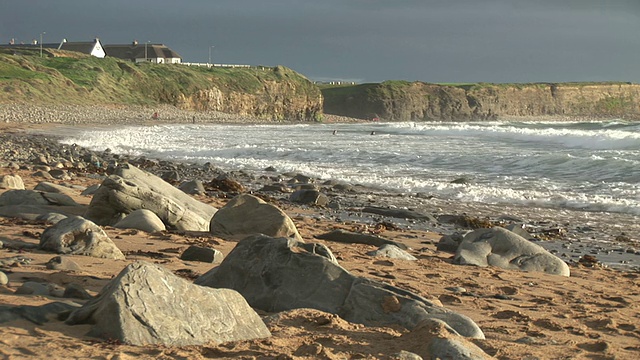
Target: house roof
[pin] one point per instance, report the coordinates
(83, 47)
(137, 51)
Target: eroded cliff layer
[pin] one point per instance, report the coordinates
(405, 101)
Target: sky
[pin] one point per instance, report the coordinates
(440, 41)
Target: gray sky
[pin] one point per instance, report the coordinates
(363, 40)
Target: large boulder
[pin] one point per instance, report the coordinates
(246, 215)
(78, 236)
(276, 274)
(130, 189)
(13, 182)
(508, 250)
(142, 219)
(147, 304)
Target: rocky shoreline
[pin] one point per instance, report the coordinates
(523, 314)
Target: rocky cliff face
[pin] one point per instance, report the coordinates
(276, 100)
(403, 101)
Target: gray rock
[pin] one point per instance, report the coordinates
(46, 186)
(62, 263)
(405, 355)
(78, 236)
(309, 197)
(142, 219)
(276, 274)
(392, 252)
(147, 304)
(13, 182)
(53, 218)
(33, 212)
(450, 243)
(43, 174)
(41, 289)
(130, 189)
(519, 229)
(246, 215)
(4, 279)
(348, 237)
(75, 291)
(193, 187)
(36, 314)
(90, 190)
(59, 174)
(434, 339)
(32, 197)
(202, 254)
(503, 248)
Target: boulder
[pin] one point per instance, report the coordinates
(202, 254)
(78, 236)
(13, 182)
(142, 219)
(246, 215)
(392, 252)
(130, 189)
(348, 237)
(450, 243)
(277, 274)
(309, 197)
(90, 190)
(503, 248)
(147, 304)
(193, 187)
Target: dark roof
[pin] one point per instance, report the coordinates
(132, 52)
(82, 47)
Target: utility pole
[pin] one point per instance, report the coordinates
(210, 48)
(42, 33)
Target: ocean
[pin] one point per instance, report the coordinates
(591, 166)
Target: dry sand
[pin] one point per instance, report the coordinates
(594, 314)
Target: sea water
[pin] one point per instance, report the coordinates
(593, 166)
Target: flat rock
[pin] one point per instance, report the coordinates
(147, 304)
(348, 237)
(246, 215)
(36, 314)
(32, 197)
(78, 236)
(46, 186)
(503, 248)
(62, 263)
(392, 252)
(398, 213)
(277, 274)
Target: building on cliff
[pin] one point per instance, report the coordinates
(153, 53)
(93, 48)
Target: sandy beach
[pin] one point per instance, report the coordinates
(593, 314)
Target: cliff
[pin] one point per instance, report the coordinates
(405, 101)
(71, 78)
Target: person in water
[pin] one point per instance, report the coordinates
(373, 133)
(335, 132)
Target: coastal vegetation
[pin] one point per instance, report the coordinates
(72, 78)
